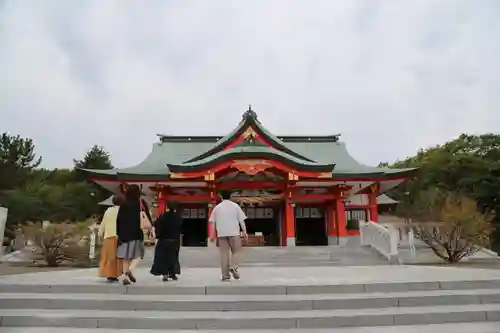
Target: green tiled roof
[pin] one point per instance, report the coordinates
(165, 153)
(307, 151)
(251, 151)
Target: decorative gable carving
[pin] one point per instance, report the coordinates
(251, 167)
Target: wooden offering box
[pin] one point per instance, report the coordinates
(254, 241)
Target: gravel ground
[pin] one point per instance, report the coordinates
(476, 263)
(6, 269)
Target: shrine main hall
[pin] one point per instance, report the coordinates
(295, 190)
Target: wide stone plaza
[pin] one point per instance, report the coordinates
(278, 277)
(277, 294)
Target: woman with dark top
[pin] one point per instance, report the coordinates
(130, 235)
(168, 233)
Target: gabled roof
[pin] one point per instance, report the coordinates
(250, 151)
(249, 121)
(195, 150)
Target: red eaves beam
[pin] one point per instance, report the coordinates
(206, 198)
(187, 197)
(351, 179)
(301, 197)
(250, 185)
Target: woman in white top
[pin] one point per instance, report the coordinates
(110, 266)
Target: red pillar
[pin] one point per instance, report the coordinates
(162, 202)
(211, 207)
(340, 218)
(330, 223)
(290, 223)
(372, 202)
(283, 227)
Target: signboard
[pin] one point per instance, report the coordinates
(259, 213)
(309, 213)
(355, 214)
(92, 245)
(194, 213)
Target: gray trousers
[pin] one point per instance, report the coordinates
(229, 248)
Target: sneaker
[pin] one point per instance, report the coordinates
(234, 272)
(226, 279)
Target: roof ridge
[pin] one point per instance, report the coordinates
(285, 138)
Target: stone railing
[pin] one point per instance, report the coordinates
(3, 221)
(408, 240)
(383, 239)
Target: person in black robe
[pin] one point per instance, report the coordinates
(168, 234)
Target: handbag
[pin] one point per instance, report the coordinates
(145, 222)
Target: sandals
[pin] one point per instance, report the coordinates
(129, 278)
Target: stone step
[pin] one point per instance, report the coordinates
(236, 320)
(435, 328)
(279, 256)
(131, 302)
(260, 263)
(266, 298)
(239, 288)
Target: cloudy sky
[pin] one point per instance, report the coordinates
(391, 76)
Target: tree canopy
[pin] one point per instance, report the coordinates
(468, 165)
(37, 194)
(95, 158)
(17, 158)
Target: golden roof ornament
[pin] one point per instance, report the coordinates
(249, 133)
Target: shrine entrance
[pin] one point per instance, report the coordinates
(310, 226)
(194, 226)
(262, 226)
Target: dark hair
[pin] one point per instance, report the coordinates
(118, 199)
(133, 193)
(225, 195)
(172, 206)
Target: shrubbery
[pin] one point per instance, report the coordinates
(57, 244)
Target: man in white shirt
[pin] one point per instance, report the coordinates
(227, 217)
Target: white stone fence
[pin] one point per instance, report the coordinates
(383, 239)
(3, 221)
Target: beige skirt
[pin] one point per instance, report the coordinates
(109, 265)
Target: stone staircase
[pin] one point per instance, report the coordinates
(302, 256)
(294, 299)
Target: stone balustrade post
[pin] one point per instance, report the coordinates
(3, 222)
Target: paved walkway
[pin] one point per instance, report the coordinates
(443, 328)
(262, 276)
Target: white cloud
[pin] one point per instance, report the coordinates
(391, 76)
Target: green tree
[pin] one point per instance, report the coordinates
(95, 158)
(40, 200)
(468, 165)
(17, 159)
